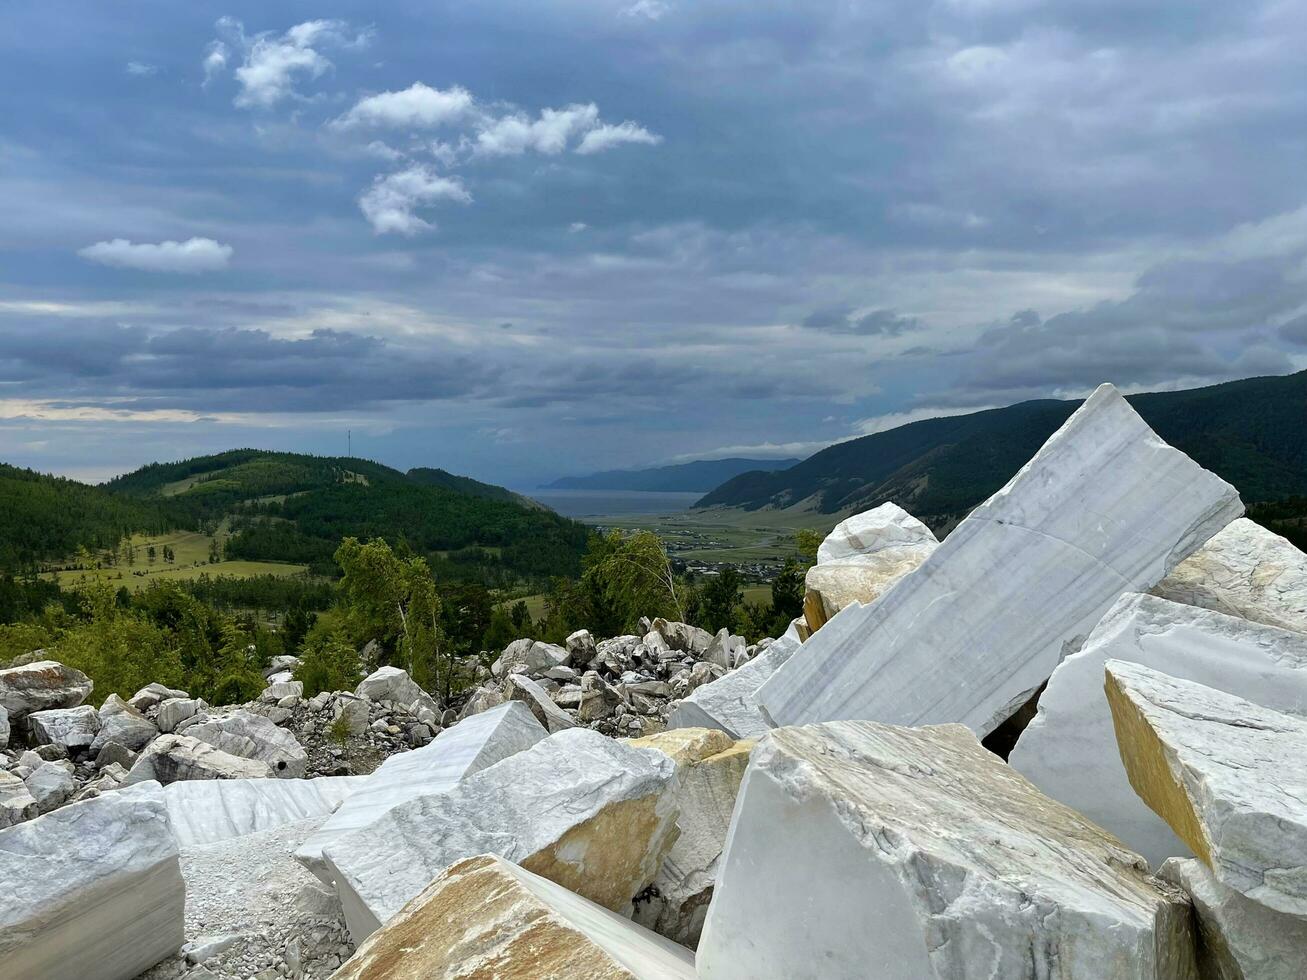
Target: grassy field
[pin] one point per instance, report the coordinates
(191, 551)
(724, 535)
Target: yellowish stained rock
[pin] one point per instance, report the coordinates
(685, 745)
(484, 918)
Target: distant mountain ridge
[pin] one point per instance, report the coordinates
(1251, 432)
(694, 477)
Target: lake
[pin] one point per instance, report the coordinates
(605, 503)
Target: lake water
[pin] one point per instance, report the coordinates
(604, 503)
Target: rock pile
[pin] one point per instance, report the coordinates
(631, 807)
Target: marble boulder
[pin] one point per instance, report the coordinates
(1229, 776)
(487, 917)
(91, 890)
(1105, 507)
(41, 686)
(1069, 750)
(1245, 571)
(250, 736)
(122, 723)
(729, 703)
(73, 728)
(583, 810)
(1239, 939)
(475, 743)
(866, 850)
(203, 811)
(170, 758)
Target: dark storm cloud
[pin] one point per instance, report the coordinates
(229, 369)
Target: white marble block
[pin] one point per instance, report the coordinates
(584, 810)
(1069, 750)
(1240, 939)
(1228, 775)
(485, 916)
(1245, 571)
(206, 810)
(92, 890)
(729, 703)
(471, 745)
(1104, 507)
(863, 850)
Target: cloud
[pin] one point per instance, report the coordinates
(515, 134)
(1295, 330)
(417, 107)
(876, 323)
(141, 68)
(192, 255)
(215, 61)
(648, 9)
(606, 137)
(576, 227)
(390, 202)
(273, 61)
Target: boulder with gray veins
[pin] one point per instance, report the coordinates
(536, 698)
(41, 686)
(174, 711)
(583, 810)
(881, 529)
(1104, 508)
(487, 917)
(528, 656)
(123, 723)
(865, 850)
(393, 684)
(91, 890)
(1247, 571)
(73, 728)
(729, 703)
(250, 736)
(456, 753)
(152, 694)
(204, 811)
(1229, 776)
(51, 785)
(16, 802)
(1070, 750)
(4, 727)
(1239, 939)
(172, 757)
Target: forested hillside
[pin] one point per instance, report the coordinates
(1250, 432)
(296, 508)
(47, 517)
(289, 507)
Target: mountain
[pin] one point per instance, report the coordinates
(695, 477)
(43, 517)
(295, 508)
(432, 477)
(1250, 432)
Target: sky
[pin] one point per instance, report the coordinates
(519, 241)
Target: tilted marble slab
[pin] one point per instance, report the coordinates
(1245, 571)
(1228, 775)
(91, 890)
(729, 703)
(1104, 507)
(1069, 750)
(206, 810)
(860, 850)
(474, 743)
(487, 917)
(584, 810)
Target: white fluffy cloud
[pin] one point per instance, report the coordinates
(648, 9)
(605, 137)
(192, 255)
(389, 204)
(419, 106)
(549, 133)
(273, 62)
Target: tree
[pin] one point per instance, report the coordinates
(635, 575)
(808, 541)
(787, 591)
(329, 662)
(394, 600)
(718, 599)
